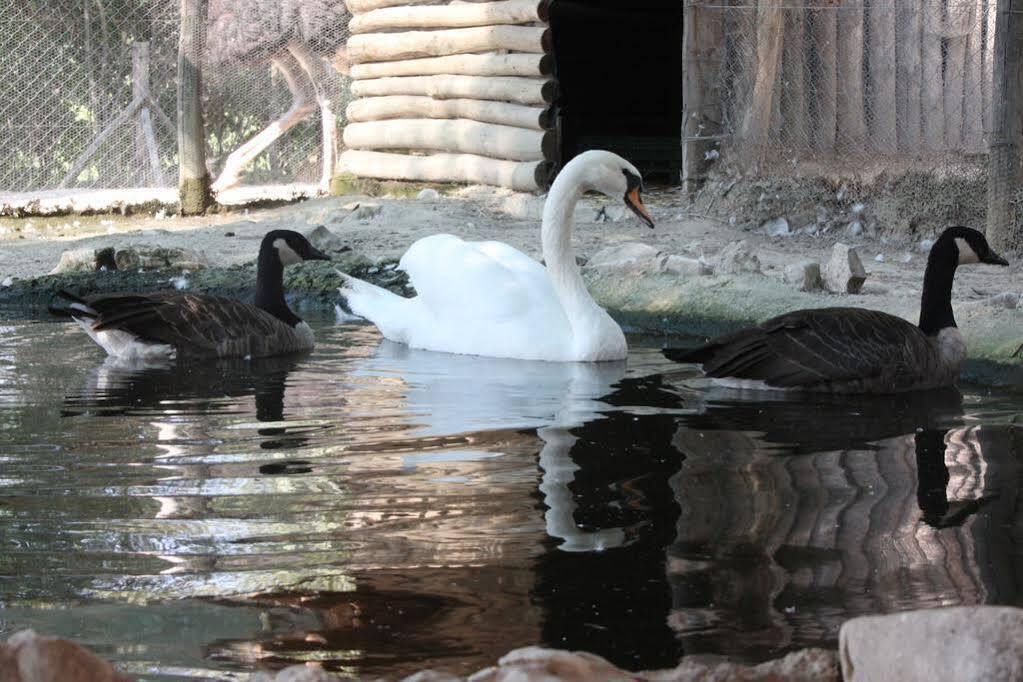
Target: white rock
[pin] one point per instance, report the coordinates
(925, 245)
(844, 273)
(1007, 299)
(779, 227)
(959, 643)
(296, 673)
(522, 206)
(611, 214)
(736, 258)
(879, 258)
(711, 155)
(858, 208)
(682, 265)
(8, 281)
(364, 213)
(855, 228)
(627, 256)
(805, 274)
(907, 257)
(428, 194)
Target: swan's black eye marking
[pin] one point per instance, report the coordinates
(632, 181)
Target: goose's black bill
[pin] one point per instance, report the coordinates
(994, 259)
(315, 254)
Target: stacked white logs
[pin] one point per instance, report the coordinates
(451, 92)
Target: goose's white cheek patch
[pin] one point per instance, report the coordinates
(286, 253)
(966, 252)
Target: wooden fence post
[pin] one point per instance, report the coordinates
(193, 179)
(703, 34)
(146, 150)
(1004, 160)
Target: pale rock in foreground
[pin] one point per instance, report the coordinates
(296, 673)
(805, 274)
(364, 213)
(642, 258)
(779, 227)
(428, 194)
(28, 657)
(131, 257)
(324, 239)
(737, 259)
(844, 273)
(959, 644)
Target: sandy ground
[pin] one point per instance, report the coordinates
(31, 247)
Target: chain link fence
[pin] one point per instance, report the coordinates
(843, 84)
(88, 90)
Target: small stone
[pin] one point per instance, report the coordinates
(611, 214)
(627, 256)
(1007, 300)
(958, 643)
(855, 228)
(364, 213)
(324, 239)
(805, 274)
(844, 273)
(925, 245)
(296, 673)
(879, 258)
(906, 257)
(28, 657)
(736, 259)
(778, 227)
(684, 266)
(8, 281)
(229, 234)
(858, 207)
(143, 257)
(428, 194)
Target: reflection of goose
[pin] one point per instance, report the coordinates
(855, 350)
(114, 389)
(486, 298)
(161, 326)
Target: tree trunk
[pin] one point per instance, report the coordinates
(501, 88)
(770, 29)
(522, 177)
(932, 107)
(882, 75)
(193, 179)
(910, 76)
(398, 106)
(701, 102)
(146, 151)
(793, 93)
(850, 122)
(1004, 172)
(956, 34)
(988, 63)
(973, 101)
(383, 47)
(526, 65)
(825, 32)
(461, 136)
(447, 16)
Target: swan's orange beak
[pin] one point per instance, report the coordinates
(633, 201)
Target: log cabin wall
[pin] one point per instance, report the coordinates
(770, 85)
(454, 92)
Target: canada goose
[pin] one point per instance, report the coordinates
(162, 326)
(487, 298)
(853, 350)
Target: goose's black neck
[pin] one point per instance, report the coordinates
(270, 286)
(936, 302)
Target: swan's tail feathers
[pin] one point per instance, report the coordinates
(79, 308)
(392, 314)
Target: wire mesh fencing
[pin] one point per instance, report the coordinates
(851, 83)
(88, 90)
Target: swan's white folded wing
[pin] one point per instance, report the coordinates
(476, 281)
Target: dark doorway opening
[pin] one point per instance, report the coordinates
(619, 70)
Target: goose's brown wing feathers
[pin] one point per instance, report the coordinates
(819, 347)
(195, 325)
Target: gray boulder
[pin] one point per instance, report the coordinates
(844, 273)
(957, 644)
(738, 259)
(805, 274)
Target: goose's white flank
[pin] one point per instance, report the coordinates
(487, 298)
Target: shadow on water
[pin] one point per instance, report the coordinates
(381, 509)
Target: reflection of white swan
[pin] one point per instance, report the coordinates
(486, 298)
(448, 394)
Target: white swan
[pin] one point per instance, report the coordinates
(486, 298)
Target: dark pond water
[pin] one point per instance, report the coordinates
(382, 510)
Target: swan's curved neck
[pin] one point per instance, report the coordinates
(556, 238)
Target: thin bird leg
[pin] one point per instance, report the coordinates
(302, 104)
(317, 70)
